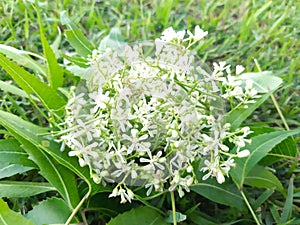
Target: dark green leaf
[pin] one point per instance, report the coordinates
(50, 211)
(18, 189)
(11, 152)
(9, 217)
(261, 177)
(139, 216)
(288, 205)
(59, 176)
(8, 170)
(261, 145)
(262, 198)
(226, 194)
(32, 134)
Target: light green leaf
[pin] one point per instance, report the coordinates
(50, 211)
(9, 217)
(55, 72)
(113, 40)
(11, 152)
(8, 170)
(75, 37)
(261, 177)
(261, 145)
(264, 82)
(6, 87)
(18, 189)
(139, 216)
(23, 58)
(59, 176)
(31, 84)
(25, 130)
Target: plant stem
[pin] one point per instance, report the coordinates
(173, 208)
(79, 205)
(250, 208)
(275, 102)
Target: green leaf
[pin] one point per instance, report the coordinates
(226, 194)
(75, 37)
(9, 217)
(59, 176)
(200, 218)
(31, 84)
(55, 72)
(8, 170)
(261, 145)
(179, 217)
(288, 205)
(31, 133)
(237, 116)
(18, 189)
(264, 82)
(22, 58)
(287, 147)
(139, 216)
(50, 211)
(262, 198)
(6, 87)
(261, 177)
(11, 152)
(113, 40)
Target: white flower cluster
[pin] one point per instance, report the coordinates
(143, 120)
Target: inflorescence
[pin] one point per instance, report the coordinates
(147, 119)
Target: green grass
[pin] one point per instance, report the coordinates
(239, 33)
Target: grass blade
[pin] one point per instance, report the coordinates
(31, 84)
(55, 72)
(288, 205)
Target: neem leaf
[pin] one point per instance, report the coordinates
(51, 211)
(261, 145)
(8, 216)
(139, 216)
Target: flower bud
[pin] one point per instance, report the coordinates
(243, 153)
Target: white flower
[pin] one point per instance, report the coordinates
(243, 153)
(199, 33)
(135, 141)
(239, 69)
(168, 34)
